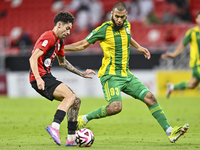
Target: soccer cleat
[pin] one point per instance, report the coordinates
(177, 132)
(54, 134)
(81, 123)
(70, 143)
(169, 89)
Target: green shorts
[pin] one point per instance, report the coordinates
(196, 73)
(112, 86)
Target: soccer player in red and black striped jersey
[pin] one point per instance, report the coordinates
(47, 47)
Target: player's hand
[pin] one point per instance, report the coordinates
(167, 55)
(40, 83)
(87, 72)
(144, 51)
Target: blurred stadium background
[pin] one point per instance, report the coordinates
(158, 25)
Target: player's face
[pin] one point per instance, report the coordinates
(64, 30)
(198, 19)
(118, 17)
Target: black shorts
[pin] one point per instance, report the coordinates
(50, 85)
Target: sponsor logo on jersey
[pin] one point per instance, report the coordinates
(44, 44)
(127, 31)
(47, 62)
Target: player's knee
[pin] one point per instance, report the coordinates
(191, 86)
(114, 108)
(73, 97)
(69, 98)
(150, 99)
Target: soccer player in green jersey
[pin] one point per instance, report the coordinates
(192, 36)
(115, 40)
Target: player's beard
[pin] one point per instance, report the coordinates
(116, 27)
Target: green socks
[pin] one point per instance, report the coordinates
(159, 115)
(155, 110)
(96, 114)
(180, 86)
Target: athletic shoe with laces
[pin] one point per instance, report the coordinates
(169, 89)
(177, 132)
(70, 143)
(81, 123)
(54, 134)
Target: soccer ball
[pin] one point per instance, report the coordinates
(84, 138)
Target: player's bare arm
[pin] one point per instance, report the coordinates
(179, 49)
(141, 49)
(78, 46)
(67, 65)
(34, 67)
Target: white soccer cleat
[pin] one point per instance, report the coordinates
(170, 88)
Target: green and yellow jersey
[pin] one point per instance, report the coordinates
(115, 46)
(193, 36)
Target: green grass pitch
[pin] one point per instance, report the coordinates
(23, 122)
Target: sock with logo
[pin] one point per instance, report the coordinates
(159, 115)
(96, 114)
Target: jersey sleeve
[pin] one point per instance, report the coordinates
(61, 49)
(45, 42)
(98, 34)
(187, 37)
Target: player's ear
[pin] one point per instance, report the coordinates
(59, 24)
(111, 13)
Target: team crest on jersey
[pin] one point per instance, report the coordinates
(127, 31)
(45, 42)
(58, 47)
(47, 62)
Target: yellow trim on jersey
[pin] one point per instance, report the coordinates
(108, 47)
(106, 87)
(110, 36)
(124, 51)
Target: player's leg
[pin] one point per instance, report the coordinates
(194, 81)
(157, 112)
(139, 91)
(112, 94)
(181, 86)
(72, 116)
(102, 112)
(71, 103)
(67, 98)
(111, 109)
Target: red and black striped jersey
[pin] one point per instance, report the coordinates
(51, 46)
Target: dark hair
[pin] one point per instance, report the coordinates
(64, 16)
(120, 6)
(198, 14)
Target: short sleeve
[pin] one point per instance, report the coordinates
(45, 42)
(98, 34)
(61, 49)
(187, 37)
